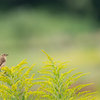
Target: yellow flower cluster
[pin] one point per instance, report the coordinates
(56, 84)
(17, 81)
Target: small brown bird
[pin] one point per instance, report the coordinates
(3, 60)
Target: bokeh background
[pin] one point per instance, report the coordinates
(68, 30)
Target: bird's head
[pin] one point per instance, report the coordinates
(4, 55)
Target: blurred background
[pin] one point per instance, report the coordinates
(68, 30)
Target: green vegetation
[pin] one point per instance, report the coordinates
(24, 23)
(55, 85)
(24, 32)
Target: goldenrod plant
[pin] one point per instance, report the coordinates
(54, 85)
(14, 84)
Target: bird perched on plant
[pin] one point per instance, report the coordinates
(3, 60)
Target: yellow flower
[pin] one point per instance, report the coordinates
(14, 87)
(71, 98)
(32, 76)
(27, 72)
(20, 64)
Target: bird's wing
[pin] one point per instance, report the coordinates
(2, 60)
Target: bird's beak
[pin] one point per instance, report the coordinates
(7, 54)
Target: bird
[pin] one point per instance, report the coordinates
(3, 60)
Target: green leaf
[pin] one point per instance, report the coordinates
(23, 97)
(20, 93)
